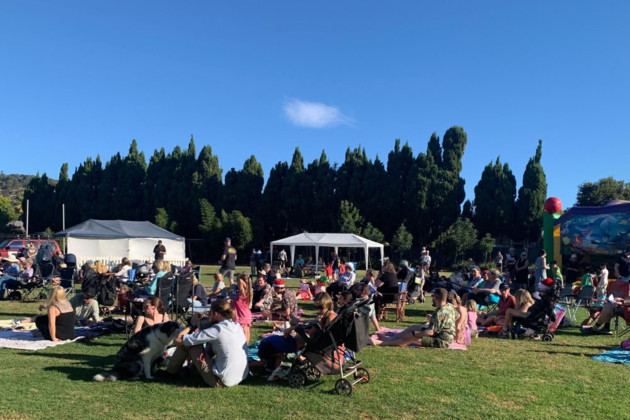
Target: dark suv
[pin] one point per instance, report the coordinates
(13, 246)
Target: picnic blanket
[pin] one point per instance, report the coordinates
(7, 324)
(390, 331)
(616, 355)
(258, 317)
(24, 340)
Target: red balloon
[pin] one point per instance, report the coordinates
(553, 205)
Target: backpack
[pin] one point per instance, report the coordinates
(106, 292)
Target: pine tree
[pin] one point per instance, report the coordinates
(495, 195)
(350, 220)
(531, 199)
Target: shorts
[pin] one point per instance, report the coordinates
(433, 342)
(227, 273)
(268, 353)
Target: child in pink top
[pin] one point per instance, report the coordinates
(471, 305)
(242, 302)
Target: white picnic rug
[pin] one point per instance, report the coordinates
(24, 340)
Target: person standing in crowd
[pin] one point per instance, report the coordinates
(228, 260)
(499, 261)
(510, 264)
(253, 260)
(159, 251)
(522, 270)
(282, 256)
(573, 269)
(540, 267)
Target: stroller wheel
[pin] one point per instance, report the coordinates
(312, 373)
(343, 387)
(364, 374)
(297, 379)
(547, 337)
(553, 335)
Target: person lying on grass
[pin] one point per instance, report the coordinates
(439, 333)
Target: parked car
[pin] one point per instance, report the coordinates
(12, 246)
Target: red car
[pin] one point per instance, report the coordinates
(13, 246)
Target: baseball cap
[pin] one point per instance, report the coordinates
(504, 286)
(228, 240)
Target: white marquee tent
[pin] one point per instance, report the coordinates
(331, 240)
(110, 240)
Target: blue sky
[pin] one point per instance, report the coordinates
(84, 78)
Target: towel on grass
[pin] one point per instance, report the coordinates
(616, 355)
(390, 331)
(24, 340)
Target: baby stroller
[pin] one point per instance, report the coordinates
(323, 353)
(542, 315)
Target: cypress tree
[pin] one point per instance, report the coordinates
(531, 199)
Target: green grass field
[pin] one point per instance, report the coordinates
(495, 378)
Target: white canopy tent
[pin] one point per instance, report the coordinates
(331, 240)
(110, 240)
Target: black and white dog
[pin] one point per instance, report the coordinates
(142, 353)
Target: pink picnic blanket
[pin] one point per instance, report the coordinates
(453, 346)
(258, 317)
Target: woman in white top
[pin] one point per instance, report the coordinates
(224, 362)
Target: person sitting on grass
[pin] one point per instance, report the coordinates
(363, 292)
(462, 316)
(344, 299)
(58, 323)
(323, 304)
(217, 287)
(524, 303)
(287, 308)
(439, 333)
(85, 306)
(153, 314)
(304, 292)
(506, 301)
(471, 307)
(263, 294)
(223, 361)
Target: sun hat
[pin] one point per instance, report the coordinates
(278, 283)
(350, 266)
(10, 258)
(404, 263)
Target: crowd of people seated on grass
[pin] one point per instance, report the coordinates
(217, 344)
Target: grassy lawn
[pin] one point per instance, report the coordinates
(495, 378)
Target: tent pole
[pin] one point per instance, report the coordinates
(316, 257)
(271, 253)
(292, 255)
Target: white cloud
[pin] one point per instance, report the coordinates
(314, 114)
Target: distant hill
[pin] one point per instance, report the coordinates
(13, 186)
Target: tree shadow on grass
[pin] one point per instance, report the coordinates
(77, 357)
(568, 353)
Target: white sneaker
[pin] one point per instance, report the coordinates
(278, 374)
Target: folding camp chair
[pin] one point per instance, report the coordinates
(582, 299)
(182, 295)
(165, 289)
(567, 295)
